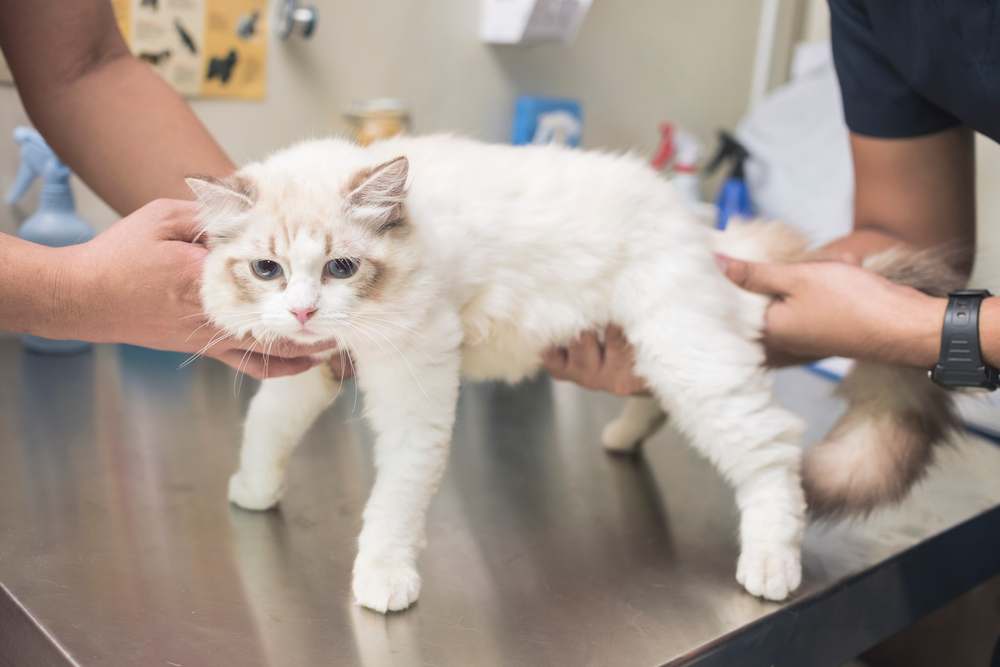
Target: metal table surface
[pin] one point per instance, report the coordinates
(117, 546)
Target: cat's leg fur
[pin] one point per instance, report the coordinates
(410, 398)
(708, 372)
(641, 417)
(280, 413)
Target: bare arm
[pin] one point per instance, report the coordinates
(108, 115)
(918, 191)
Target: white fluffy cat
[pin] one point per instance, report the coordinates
(433, 258)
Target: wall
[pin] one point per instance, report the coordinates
(635, 63)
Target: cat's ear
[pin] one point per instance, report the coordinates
(223, 202)
(375, 195)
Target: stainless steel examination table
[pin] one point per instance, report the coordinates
(117, 546)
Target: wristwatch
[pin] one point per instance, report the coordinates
(960, 363)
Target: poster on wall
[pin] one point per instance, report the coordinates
(203, 48)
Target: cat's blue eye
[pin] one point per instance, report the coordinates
(342, 267)
(265, 269)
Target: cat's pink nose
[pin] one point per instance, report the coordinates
(302, 314)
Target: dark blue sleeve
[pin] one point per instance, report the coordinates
(878, 102)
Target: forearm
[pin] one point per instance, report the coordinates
(110, 117)
(35, 297)
(860, 243)
(923, 347)
(129, 136)
(918, 192)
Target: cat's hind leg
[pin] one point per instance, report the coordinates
(708, 373)
(280, 413)
(641, 417)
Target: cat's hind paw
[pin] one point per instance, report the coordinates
(769, 571)
(621, 437)
(253, 494)
(385, 586)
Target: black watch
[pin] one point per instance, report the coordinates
(960, 363)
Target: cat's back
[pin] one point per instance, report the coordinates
(535, 195)
(462, 168)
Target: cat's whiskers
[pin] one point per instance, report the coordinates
(215, 340)
(238, 380)
(402, 356)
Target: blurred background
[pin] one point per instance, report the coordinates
(633, 64)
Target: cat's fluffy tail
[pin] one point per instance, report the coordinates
(895, 416)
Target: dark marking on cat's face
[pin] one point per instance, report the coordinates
(371, 284)
(246, 290)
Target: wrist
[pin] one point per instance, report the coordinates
(919, 342)
(66, 309)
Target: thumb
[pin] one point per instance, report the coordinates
(756, 277)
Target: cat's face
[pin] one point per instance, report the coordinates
(292, 256)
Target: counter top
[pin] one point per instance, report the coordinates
(117, 545)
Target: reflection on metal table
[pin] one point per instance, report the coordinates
(117, 546)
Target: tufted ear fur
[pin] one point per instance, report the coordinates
(375, 195)
(223, 201)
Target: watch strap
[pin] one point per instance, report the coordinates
(960, 362)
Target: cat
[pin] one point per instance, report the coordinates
(434, 258)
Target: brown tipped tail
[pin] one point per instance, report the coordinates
(895, 416)
(882, 445)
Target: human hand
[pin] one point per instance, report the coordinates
(138, 282)
(828, 308)
(592, 364)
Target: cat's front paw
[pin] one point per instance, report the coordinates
(254, 492)
(771, 571)
(385, 585)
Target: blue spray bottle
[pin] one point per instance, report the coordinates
(734, 197)
(55, 223)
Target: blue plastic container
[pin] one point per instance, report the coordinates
(55, 223)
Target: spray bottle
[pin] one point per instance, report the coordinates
(677, 156)
(734, 197)
(55, 223)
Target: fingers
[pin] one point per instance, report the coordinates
(587, 362)
(261, 367)
(585, 355)
(619, 362)
(176, 219)
(580, 362)
(258, 366)
(556, 360)
(291, 349)
(756, 277)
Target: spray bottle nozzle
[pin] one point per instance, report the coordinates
(729, 149)
(37, 160)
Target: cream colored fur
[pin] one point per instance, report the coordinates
(472, 259)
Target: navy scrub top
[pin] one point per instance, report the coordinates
(913, 67)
